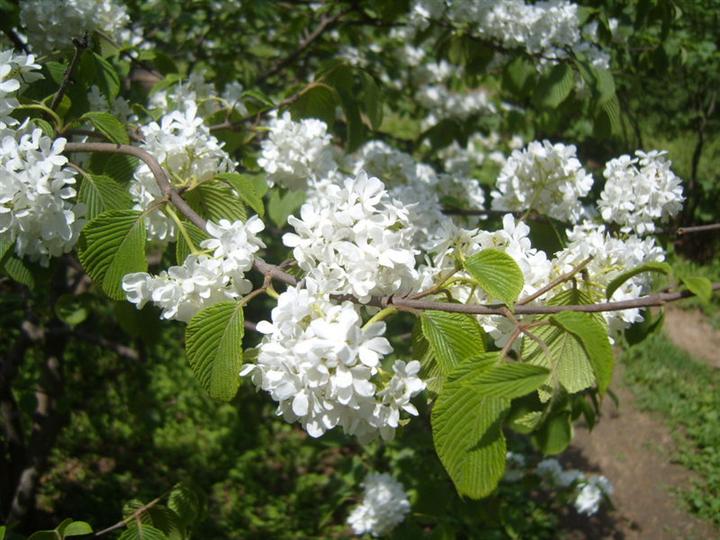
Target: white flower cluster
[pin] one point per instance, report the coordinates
(385, 505)
(318, 363)
(37, 210)
(611, 257)
(202, 280)
(355, 240)
(545, 28)
(120, 108)
(296, 153)
(544, 177)
(445, 103)
(589, 490)
(52, 24)
(188, 151)
(639, 191)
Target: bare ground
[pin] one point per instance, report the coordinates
(633, 449)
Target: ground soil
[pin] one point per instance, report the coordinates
(633, 449)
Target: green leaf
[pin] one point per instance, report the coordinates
(196, 234)
(2, 532)
(371, 98)
(108, 125)
(216, 201)
(185, 502)
(280, 207)
(73, 309)
(316, 101)
(119, 167)
(111, 246)
(595, 341)
(555, 86)
(453, 337)
(245, 186)
(16, 269)
(77, 528)
(508, 380)
(615, 284)
(497, 273)
(555, 434)
(467, 431)
(43, 535)
(647, 327)
(699, 286)
(213, 342)
(101, 193)
(108, 81)
(143, 532)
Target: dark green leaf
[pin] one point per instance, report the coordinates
(101, 193)
(108, 125)
(280, 207)
(316, 101)
(555, 434)
(107, 78)
(615, 284)
(555, 86)
(245, 185)
(216, 201)
(196, 234)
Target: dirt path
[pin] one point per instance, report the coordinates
(633, 449)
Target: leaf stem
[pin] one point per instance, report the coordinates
(183, 231)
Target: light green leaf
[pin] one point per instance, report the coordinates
(508, 380)
(245, 186)
(108, 80)
(453, 337)
(143, 532)
(77, 528)
(108, 125)
(615, 284)
(196, 234)
(73, 309)
(111, 246)
(101, 193)
(280, 207)
(555, 86)
(216, 201)
(18, 270)
(467, 432)
(316, 101)
(595, 341)
(555, 434)
(497, 273)
(2, 532)
(213, 342)
(699, 286)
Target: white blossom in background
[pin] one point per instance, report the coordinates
(515, 468)
(296, 153)
(385, 505)
(591, 493)
(611, 257)
(320, 364)
(443, 103)
(16, 69)
(355, 240)
(194, 91)
(639, 191)
(544, 177)
(381, 160)
(188, 151)
(120, 108)
(37, 210)
(202, 280)
(52, 24)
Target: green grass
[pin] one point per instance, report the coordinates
(686, 392)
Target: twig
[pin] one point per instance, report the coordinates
(80, 46)
(563, 278)
(136, 514)
(698, 228)
(19, 43)
(325, 23)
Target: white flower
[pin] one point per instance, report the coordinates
(295, 153)
(187, 150)
(544, 177)
(52, 24)
(319, 364)
(182, 291)
(235, 243)
(37, 210)
(591, 494)
(354, 240)
(384, 506)
(515, 468)
(15, 70)
(639, 191)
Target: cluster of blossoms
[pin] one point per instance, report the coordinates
(295, 153)
(588, 490)
(320, 364)
(544, 177)
(183, 144)
(385, 505)
(37, 209)
(354, 240)
(545, 28)
(202, 280)
(52, 24)
(639, 191)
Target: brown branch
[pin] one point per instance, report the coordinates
(698, 228)
(16, 40)
(563, 278)
(134, 516)
(325, 23)
(80, 46)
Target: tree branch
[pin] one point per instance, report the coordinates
(698, 228)
(80, 46)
